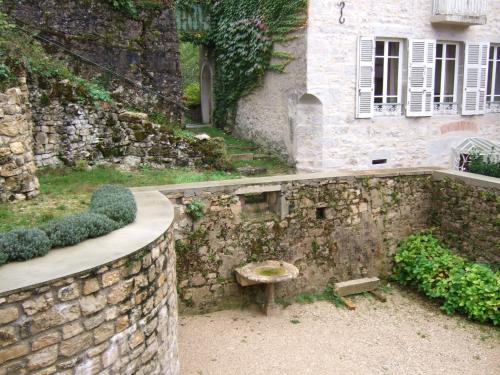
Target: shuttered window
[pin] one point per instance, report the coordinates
(421, 56)
(475, 77)
(445, 78)
(493, 88)
(364, 92)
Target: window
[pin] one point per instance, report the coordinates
(493, 90)
(387, 77)
(445, 78)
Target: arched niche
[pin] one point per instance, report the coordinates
(308, 134)
(206, 83)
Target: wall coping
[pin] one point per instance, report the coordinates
(469, 178)
(155, 214)
(231, 185)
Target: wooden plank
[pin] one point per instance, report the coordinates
(348, 303)
(378, 296)
(357, 286)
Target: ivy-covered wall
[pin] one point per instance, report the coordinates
(142, 47)
(467, 217)
(242, 35)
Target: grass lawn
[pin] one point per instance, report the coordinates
(65, 191)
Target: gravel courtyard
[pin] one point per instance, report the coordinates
(405, 335)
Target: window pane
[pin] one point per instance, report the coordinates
(393, 48)
(490, 77)
(492, 51)
(498, 53)
(393, 99)
(449, 83)
(496, 99)
(448, 99)
(379, 48)
(379, 76)
(437, 79)
(392, 76)
(439, 50)
(451, 50)
(378, 100)
(497, 79)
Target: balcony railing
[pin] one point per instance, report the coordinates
(462, 12)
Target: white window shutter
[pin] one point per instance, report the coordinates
(421, 61)
(475, 77)
(365, 89)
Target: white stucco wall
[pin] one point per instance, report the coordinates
(267, 115)
(350, 143)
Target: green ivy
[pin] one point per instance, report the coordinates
(195, 210)
(242, 36)
(125, 6)
(470, 288)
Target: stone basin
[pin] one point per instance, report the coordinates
(270, 273)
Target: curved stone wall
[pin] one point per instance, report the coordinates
(118, 317)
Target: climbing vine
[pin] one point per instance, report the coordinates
(242, 35)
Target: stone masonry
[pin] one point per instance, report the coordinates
(331, 228)
(120, 318)
(17, 167)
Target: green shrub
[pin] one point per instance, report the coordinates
(192, 96)
(486, 166)
(195, 210)
(71, 230)
(115, 202)
(3, 258)
(473, 289)
(24, 244)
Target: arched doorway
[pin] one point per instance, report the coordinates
(206, 82)
(308, 150)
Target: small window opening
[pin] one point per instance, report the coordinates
(379, 161)
(260, 203)
(320, 213)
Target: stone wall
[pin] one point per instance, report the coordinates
(143, 49)
(65, 131)
(17, 167)
(120, 318)
(466, 212)
(331, 228)
(268, 114)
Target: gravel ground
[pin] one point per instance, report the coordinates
(406, 335)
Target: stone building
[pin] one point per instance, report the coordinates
(382, 83)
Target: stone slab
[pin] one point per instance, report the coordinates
(357, 286)
(155, 214)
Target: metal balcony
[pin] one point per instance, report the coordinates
(459, 12)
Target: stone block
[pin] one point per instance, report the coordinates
(13, 352)
(346, 288)
(90, 286)
(8, 314)
(75, 345)
(42, 358)
(45, 340)
(92, 304)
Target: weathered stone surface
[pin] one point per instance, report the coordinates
(90, 286)
(13, 352)
(42, 358)
(75, 344)
(42, 333)
(8, 314)
(45, 340)
(93, 303)
(357, 286)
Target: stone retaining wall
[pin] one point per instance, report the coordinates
(334, 228)
(66, 131)
(467, 215)
(120, 318)
(17, 168)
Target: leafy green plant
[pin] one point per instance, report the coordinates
(472, 289)
(126, 6)
(242, 34)
(115, 202)
(74, 229)
(195, 210)
(485, 165)
(24, 244)
(192, 94)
